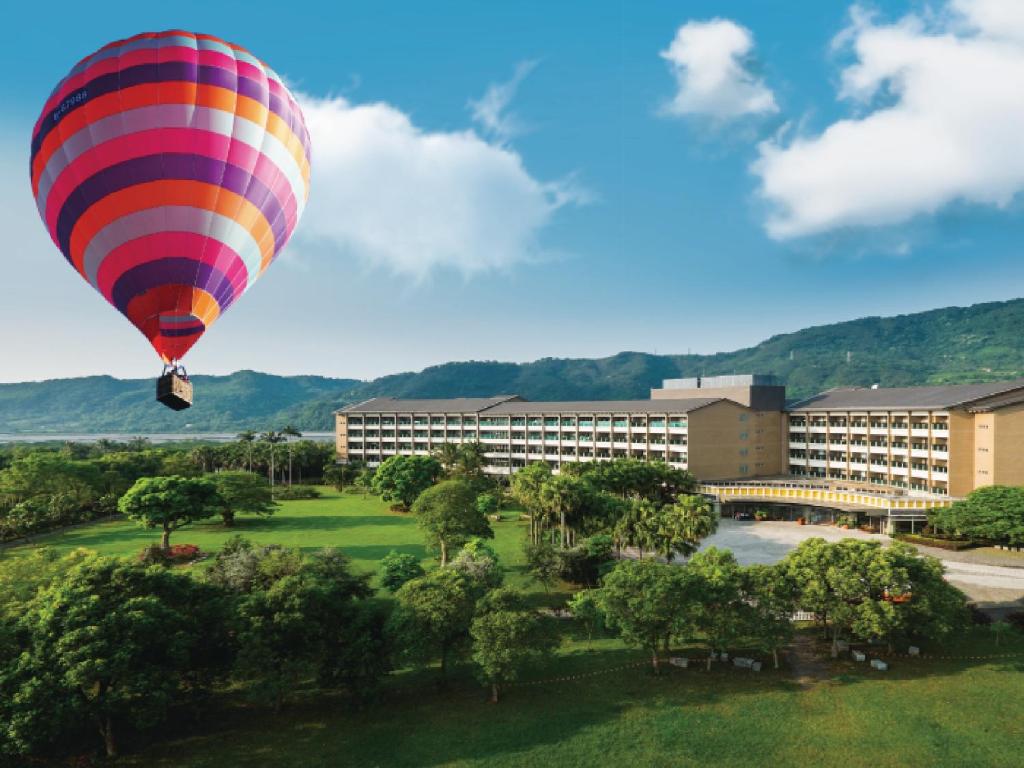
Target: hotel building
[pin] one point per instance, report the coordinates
(882, 453)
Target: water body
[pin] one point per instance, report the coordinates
(155, 437)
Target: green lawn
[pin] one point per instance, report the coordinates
(363, 526)
(920, 713)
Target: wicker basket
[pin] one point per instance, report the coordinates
(174, 391)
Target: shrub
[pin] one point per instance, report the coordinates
(153, 555)
(936, 541)
(295, 492)
(185, 553)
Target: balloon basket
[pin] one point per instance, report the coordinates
(174, 391)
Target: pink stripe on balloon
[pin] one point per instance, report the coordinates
(161, 245)
(169, 140)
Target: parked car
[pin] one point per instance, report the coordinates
(743, 515)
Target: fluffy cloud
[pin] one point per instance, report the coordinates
(491, 111)
(414, 200)
(709, 60)
(942, 113)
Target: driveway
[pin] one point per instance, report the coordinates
(993, 587)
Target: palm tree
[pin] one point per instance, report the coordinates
(247, 437)
(290, 431)
(448, 455)
(272, 438)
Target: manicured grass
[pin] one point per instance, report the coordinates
(923, 712)
(920, 713)
(364, 527)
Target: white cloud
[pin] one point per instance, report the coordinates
(710, 63)
(413, 200)
(942, 116)
(491, 111)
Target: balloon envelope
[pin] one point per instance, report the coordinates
(170, 169)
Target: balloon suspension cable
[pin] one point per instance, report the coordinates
(175, 367)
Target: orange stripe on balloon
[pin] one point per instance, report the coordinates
(155, 194)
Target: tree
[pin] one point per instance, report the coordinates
(243, 492)
(289, 432)
(772, 596)
(340, 475)
(564, 497)
(403, 478)
(993, 512)
(110, 642)
(479, 563)
(447, 513)
(542, 563)
(432, 618)
(487, 504)
(272, 438)
(247, 438)
(643, 600)
(398, 568)
(525, 486)
(170, 503)
(506, 637)
(721, 614)
(447, 455)
(680, 527)
(585, 606)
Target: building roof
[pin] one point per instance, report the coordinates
(906, 398)
(437, 405)
(512, 404)
(602, 406)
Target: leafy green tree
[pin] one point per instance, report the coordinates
(487, 504)
(403, 478)
(992, 512)
(398, 568)
(586, 609)
(170, 503)
(643, 599)
(447, 455)
(525, 488)
(721, 614)
(1000, 629)
(432, 618)
(340, 475)
(241, 567)
(506, 637)
(564, 497)
(243, 492)
(772, 596)
(448, 515)
(542, 563)
(295, 625)
(110, 642)
(680, 527)
(479, 563)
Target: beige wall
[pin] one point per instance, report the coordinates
(984, 449)
(341, 436)
(720, 433)
(1009, 446)
(962, 473)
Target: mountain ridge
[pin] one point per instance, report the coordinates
(982, 342)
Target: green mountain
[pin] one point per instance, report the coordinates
(984, 342)
(243, 400)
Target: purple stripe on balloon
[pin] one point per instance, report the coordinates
(182, 331)
(168, 71)
(170, 166)
(153, 274)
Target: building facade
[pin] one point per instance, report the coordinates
(944, 441)
(713, 437)
(887, 453)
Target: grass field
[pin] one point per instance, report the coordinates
(923, 712)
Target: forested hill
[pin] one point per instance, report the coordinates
(243, 400)
(980, 343)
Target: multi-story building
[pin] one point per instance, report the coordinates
(714, 437)
(886, 454)
(945, 440)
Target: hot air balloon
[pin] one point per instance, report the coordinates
(170, 169)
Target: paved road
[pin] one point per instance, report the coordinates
(988, 584)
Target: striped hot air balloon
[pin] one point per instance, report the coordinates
(170, 169)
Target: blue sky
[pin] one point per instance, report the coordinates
(607, 201)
